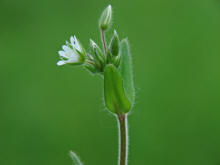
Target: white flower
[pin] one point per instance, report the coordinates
(75, 43)
(72, 53)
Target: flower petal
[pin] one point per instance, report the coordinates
(75, 43)
(73, 58)
(72, 40)
(66, 48)
(63, 54)
(59, 63)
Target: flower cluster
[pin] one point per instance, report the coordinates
(73, 52)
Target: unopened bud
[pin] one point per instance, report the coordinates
(99, 58)
(114, 44)
(106, 18)
(91, 68)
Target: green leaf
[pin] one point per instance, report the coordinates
(115, 98)
(126, 71)
(75, 158)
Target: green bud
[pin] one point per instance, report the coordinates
(98, 55)
(91, 68)
(114, 44)
(96, 48)
(106, 18)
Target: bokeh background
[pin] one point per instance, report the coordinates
(46, 110)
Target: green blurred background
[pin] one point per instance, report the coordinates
(46, 110)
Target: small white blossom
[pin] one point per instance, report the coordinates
(72, 53)
(75, 43)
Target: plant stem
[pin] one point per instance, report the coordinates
(103, 40)
(123, 139)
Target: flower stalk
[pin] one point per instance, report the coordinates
(123, 139)
(103, 40)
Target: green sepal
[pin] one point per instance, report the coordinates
(126, 71)
(100, 54)
(91, 68)
(81, 56)
(115, 98)
(109, 57)
(117, 60)
(83, 51)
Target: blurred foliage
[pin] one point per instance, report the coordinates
(47, 110)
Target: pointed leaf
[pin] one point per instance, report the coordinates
(126, 70)
(115, 98)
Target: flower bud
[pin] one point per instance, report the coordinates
(91, 68)
(106, 18)
(114, 44)
(98, 56)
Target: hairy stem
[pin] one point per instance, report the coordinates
(103, 40)
(123, 139)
